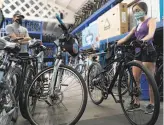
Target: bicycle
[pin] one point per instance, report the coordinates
(11, 84)
(29, 66)
(100, 85)
(49, 91)
(82, 68)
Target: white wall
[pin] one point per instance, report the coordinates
(153, 8)
(153, 11)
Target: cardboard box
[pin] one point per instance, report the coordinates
(114, 22)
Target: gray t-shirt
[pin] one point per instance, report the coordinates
(20, 31)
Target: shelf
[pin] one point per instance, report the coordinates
(34, 32)
(115, 38)
(48, 44)
(94, 16)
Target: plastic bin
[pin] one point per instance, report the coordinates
(144, 88)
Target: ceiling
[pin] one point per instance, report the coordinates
(43, 10)
(72, 5)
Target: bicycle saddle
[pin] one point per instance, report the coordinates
(35, 43)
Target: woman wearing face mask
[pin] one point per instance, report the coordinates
(144, 32)
(16, 30)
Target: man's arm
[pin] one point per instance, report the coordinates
(12, 35)
(26, 38)
(10, 32)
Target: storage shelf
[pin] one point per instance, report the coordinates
(48, 44)
(34, 32)
(95, 15)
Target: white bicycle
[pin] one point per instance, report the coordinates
(58, 94)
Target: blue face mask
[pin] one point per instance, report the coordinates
(139, 15)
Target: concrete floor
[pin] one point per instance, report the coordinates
(108, 113)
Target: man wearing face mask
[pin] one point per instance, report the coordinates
(16, 30)
(144, 33)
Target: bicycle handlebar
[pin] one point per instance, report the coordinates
(64, 28)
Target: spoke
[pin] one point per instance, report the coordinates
(73, 96)
(71, 89)
(70, 84)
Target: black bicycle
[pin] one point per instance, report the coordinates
(29, 66)
(100, 85)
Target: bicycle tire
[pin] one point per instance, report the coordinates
(31, 120)
(101, 99)
(16, 71)
(83, 71)
(29, 71)
(159, 80)
(13, 94)
(76, 68)
(155, 90)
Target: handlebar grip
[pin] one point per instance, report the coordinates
(64, 28)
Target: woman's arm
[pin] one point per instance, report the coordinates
(126, 38)
(152, 28)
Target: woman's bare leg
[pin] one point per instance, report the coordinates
(151, 67)
(137, 75)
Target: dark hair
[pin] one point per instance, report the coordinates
(142, 5)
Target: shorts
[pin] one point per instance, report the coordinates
(145, 56)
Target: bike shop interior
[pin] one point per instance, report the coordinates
(96, 24)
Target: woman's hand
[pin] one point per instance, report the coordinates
(121, 41)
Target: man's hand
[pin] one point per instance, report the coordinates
(25, 40)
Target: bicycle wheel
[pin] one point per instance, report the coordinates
(81, 69)
(136, 102)
(94, 93)
(68, 102)
(9, 92)
(27, 81)
(159, 80)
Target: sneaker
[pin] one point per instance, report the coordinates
(149, 109)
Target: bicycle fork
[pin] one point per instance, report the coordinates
(54, 82)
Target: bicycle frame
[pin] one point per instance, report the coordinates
(119, 59)
(54, 82)
(122, 65)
